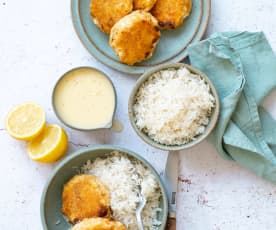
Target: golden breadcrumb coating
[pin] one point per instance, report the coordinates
(85, 196)
(143, 4)
(170, 14)
(134, 37)
(105, 13)
(99, 224)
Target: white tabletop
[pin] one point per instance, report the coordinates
(38, 44)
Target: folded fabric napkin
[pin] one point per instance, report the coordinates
(242, 67)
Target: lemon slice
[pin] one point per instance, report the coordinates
(25, 121)
(49, 146)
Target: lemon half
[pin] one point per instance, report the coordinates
(49, 146)
(26, 121)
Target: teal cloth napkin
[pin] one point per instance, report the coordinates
(242, 67)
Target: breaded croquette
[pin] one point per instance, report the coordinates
(85, 196)
(170, 14)
(134, 37)
(143, 4)
(106, 13)
(99, 224)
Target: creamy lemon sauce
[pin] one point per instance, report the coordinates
(85, 99)
(117, 126)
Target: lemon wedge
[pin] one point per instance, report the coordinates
(25, 121)
(49, 146)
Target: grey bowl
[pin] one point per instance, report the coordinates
(50, 206)
(144, 136)
(109, 125)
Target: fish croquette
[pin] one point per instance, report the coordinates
(170, 14)
(105, 13)
(143, 4)
(134, 37)
(85, 196)
(99, 224)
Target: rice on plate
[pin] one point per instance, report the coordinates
(126, 178)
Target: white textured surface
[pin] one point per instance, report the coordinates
(38, 44)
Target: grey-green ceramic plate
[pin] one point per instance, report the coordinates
(171, 48)
(51, 216)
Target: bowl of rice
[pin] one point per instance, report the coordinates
(126, 175)
(173, 106)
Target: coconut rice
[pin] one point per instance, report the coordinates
(126, 178)
(173, 106)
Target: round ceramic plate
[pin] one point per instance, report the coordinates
(51, 200)
(171, 47)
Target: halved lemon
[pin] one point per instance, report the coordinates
(49, 146)
(26, 121)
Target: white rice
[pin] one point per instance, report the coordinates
(173, 106)
(126, 178)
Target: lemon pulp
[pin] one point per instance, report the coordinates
(25, 121)
(49, 146)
